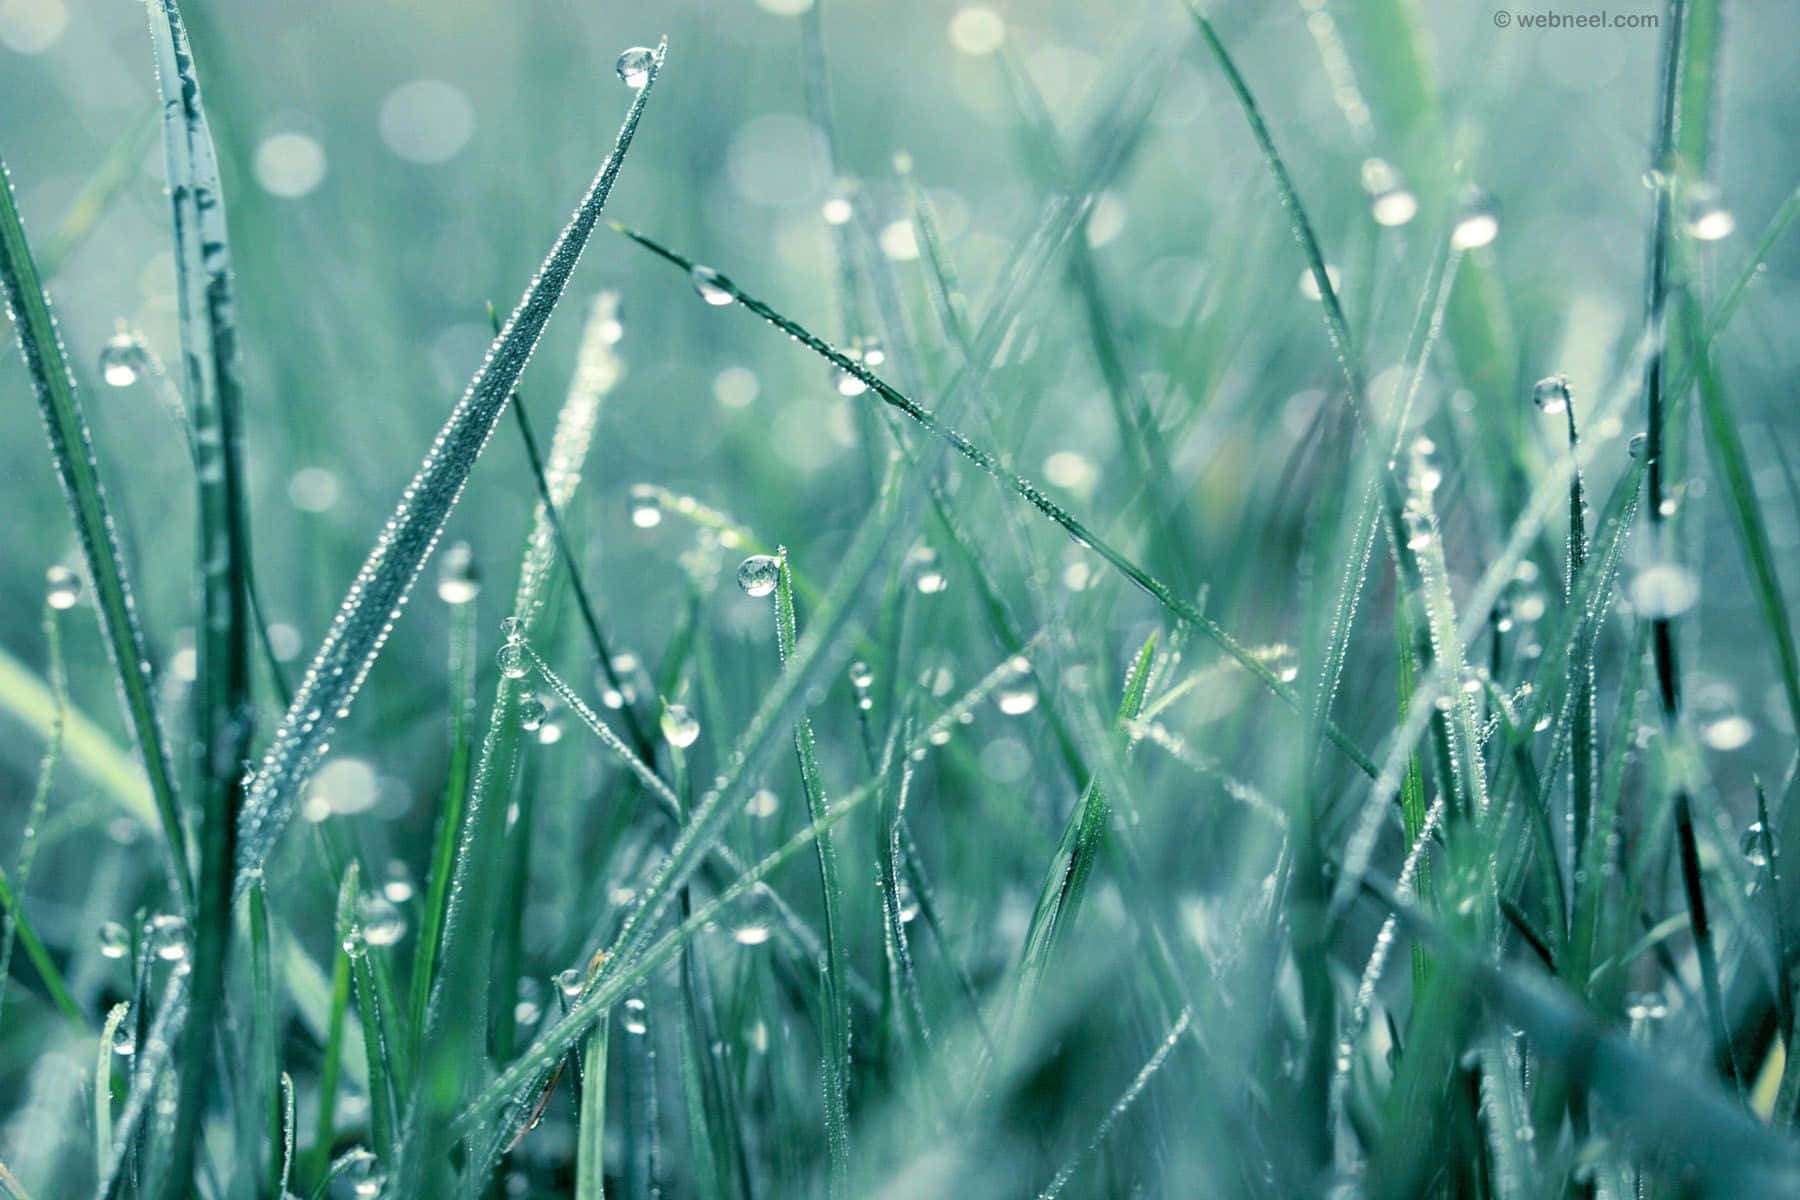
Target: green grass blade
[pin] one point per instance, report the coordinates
(103, 1087)
(590, 1144)
(72, 454)
(40, 792)
(1121, 1106)
(19, 924)
(387, 576)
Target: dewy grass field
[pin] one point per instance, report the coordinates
(1054, 599)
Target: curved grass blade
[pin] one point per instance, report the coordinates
(213, 373)
(1121, 1106)
(72, 453)
(381, 587)
(1023, 487)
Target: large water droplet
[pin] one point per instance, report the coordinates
(1018, 694)
(570, 983)
(399, 886)
(1477, 221)
(512, 661)
(646, 506)
(124, 1039)
(382, 923)
(762, 803)
(759, 574)
(1394, 208)
(1707, 218)
(115, 941)
(121, 360)
(532, 712)
(1664, 590)
(634, 66)
(679, 728)
(1551, 394)
(458, 579)
(528, 1001)
(62, 587)
(923, 569)
(169, 937)
(750, 935)
(1730, 732)
(633, 1017)
(1638, 445)
(709, 285)
(1752, 845)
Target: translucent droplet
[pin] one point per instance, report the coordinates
(1664, 590)
(1645, 1007)
(873, 352)
(1477, 221)
(837, 210)
(906, 904)
(1638, 446)
(570, 983)
(1394, 208)
(512, 629)
(458, 579)
(380, 918)
(366, 1176)
(633, 1016)
(679, 728)
(759, 574)
(634, 66)
(115, 941)
(861, 676)
(1731, 732)
(124, 1039)
(169, 937)
(532, 712)
(923, 569)
(1018, 695)
(62, 587)
(550, 732)
(399, 886)
(512, 660)
(1707, 218)
(750, 935)
(709, 285)
(528, 1001)
(1752, 845)
(1551, 394)
(646, 506)
(121, 360)
(762, 803)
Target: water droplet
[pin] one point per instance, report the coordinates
(570, 983)
(366, 1176)
(382, 923)
(62, 587)
(1643, 1007)
(1018, 695)
(1731, 732)
(873, 352)
(1708, 219)
(169, 937)
(837, 210)
(1477, 221)
(679, 728)
(121, 360)
(709, 285)
(759, 574)
(1752, 845)
(1394, 208)
(115, 941)
(633, 1016)
(1638, 446)
(125, 1037)
(1664, 590)
(762, 803)
(977, 30)
(458, 579)
(532, 712)
(906, 904)
(550, 732)
(634, 66)
(399, 886)
(528, 1001)
(750, 935)
(512, 660)
(861, 678)
(1551, 394)
(923, 569)
(646, 506)
(512, 629)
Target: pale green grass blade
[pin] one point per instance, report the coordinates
(103, 1087)
(40, 792)
(72, 454)
(590, 1146)
(381, 587)
(20, 925)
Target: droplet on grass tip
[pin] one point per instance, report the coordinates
(1477, 221)
(633, 1016)
(679, 726)
(511, 628)
(646, 506)
(759, 574)
(169, 937)
(121, 360)
(115, 941)
(634, 66)
(1551, 394)
(459, 581)
(709, 286)
(1394, 208)
(380, 918)
(124, 1041)
(62, 587)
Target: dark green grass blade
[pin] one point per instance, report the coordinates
(72, 454)
(212, 373)
(40, 792)
(17, 923)
(1023, 487)
(381, 587)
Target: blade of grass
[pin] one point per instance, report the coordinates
(381, 587)
(72, 455)
(40, 792)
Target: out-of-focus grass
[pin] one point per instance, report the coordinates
(1410, 672)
